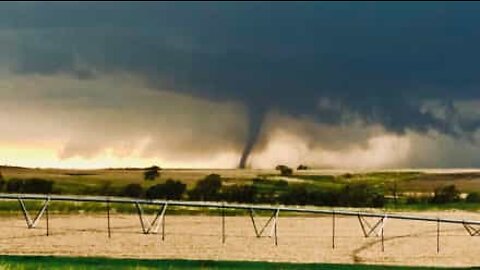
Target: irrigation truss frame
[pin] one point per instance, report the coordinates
(376, 229)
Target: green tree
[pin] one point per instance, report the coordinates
(14, 185)
(207, 189)
(239, 193)
(170, 190)
(295, 195)
(302, 167)
(446, 194)
(106, 189)
(133, 190)
(284, 170)
(31, 185)
(361, 195)
(393, 188)
(2, 181)
(37, 185)
(151, 173)
(473, 197)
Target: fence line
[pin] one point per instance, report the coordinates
(376, 229)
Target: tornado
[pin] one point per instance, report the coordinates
(256, 117)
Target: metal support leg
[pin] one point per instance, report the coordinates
(383, 240)
(223, 223)
(253, 222)
(154, 225)
(360, 220)
(163, 222)
(377, 229)
(160, 216)
(108, 219)
(46, 216)
(369, 230)
(275, 225)
(33, 223)
(259, 233)
(28, 220)
(472, 231)
(274, 228)
(333, 230)
(140, 216)
(273, 217)
(438, 235)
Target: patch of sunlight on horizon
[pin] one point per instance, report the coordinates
(46, 157)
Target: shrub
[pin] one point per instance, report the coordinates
(14, 185)
(378, 200)
(266, 196)
(412, 200)
(32, 185)
(324, 197)
(170, 190)
(302, 167)
(361, 195)
(154, 167)
(473, 197)
(284, 170)
(151, 173)
(239, 193)
(106, 189)
(281, 184)
(2, 181)
(259, 181)
(207, 189)
(37, 185)
(295, 194)
(423, 199)
(446, 194)
(133, 190)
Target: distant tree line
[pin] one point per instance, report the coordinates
(260, 190)
(212, 188)
(443, 195)
(30, 185)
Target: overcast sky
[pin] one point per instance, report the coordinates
(331, 85)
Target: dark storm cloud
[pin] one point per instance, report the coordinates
(377, 60)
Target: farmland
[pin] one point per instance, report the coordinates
(414, 180)
(305, 239)
(406, 189)
(78, 230)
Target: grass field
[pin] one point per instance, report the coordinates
(105, 181)
(73, 263)
(408, 181)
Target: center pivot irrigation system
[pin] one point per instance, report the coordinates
(375, 229)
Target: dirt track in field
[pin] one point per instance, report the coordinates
(300, 239)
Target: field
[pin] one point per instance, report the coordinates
(78, 230)
(126, 176)
(302, 239)
(88, 181)
(413, 181)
